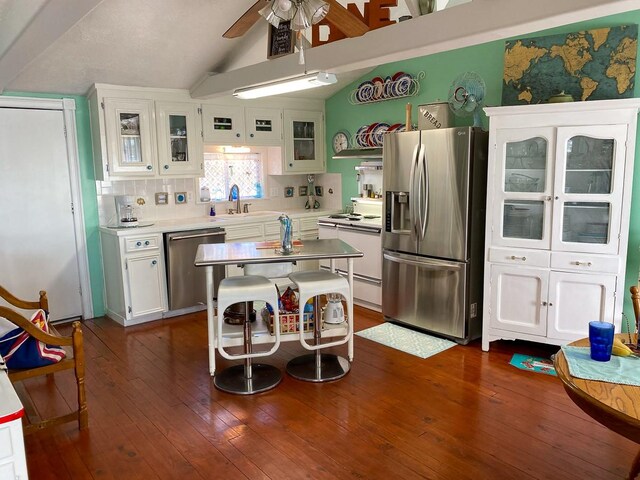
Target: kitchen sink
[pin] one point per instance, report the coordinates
(265, 213)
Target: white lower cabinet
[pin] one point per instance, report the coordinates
(575, 299)
(554, 306)
(135, 278)
(146, 282)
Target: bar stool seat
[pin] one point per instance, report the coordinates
(248, 378)
(320, 367)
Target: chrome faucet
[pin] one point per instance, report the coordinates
(237, 190)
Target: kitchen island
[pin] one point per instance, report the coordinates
(209, 255)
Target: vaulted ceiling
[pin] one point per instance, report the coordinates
(65, 46)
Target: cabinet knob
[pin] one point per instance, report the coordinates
(557, 197)
(138, 244)
(237, 135)
(149, 167)
(544, 304)
(579, 263)
(291, 164)
(513, 257)
(166, 167)
(548, 198)
(154, 262)
(146, 242)
(251, 135)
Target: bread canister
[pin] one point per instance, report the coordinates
(433, 116)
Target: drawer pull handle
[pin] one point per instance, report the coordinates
(586, 264)
(146, 242)
(513, 257)
(138, 244)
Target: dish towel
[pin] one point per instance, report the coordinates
(624, 370)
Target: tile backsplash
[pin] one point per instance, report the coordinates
(274, 191)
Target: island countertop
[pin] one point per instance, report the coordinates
(238, 253)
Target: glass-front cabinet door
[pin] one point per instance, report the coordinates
(223, 125)
(588, 188)
(304, 142)
(130, 136)
(179, 138)
(263, 126)
(525, 175)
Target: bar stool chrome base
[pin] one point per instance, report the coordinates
(232, 380)
(331, 367)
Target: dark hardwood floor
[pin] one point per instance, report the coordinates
(462, 414)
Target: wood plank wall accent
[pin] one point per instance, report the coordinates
(462, 414)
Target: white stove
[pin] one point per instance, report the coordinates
(367, 216)
(361, 230)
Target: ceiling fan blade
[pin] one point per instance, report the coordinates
(245, 22)
(344, 20)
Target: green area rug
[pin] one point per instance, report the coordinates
(406, 340)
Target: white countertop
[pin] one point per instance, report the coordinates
(196, 223)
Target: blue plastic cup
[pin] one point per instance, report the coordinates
(601, 340)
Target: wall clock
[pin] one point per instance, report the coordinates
(340, 141)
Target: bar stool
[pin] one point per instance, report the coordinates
(248, 378)
(317, 366)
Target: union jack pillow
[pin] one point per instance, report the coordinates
(21, 350)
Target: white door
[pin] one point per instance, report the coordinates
(144, 275)
(575, 299)
(587, 208)
(524, 187)
(37, 237)
(518, 299)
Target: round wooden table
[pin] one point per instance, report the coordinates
(615, 406)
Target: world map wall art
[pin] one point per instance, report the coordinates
(588, 65)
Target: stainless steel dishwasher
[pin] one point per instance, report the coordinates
(185, 282)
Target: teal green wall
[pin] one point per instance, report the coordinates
(441, 69)
(89, 198)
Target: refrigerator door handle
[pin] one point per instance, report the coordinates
(412, 192)
(424, 170)
(422, 262)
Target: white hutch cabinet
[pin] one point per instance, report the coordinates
(558, 204)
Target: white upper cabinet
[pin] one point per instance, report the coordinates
(130, 137)
(303, 142)
(179, 138)
(237, 125)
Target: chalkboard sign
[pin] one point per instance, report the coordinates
(281, 40)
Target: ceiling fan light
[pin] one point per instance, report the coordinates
(316, 10)
(269, 16)
(277, 11)
(284, 5)
(300, 20)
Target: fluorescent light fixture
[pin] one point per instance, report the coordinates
(295, 84)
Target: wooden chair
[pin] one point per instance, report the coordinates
(74, 360)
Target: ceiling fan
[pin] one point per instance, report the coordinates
(339, 16)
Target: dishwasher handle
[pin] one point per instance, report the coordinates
(196, 235)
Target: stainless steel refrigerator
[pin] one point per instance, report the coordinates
(434, 185)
